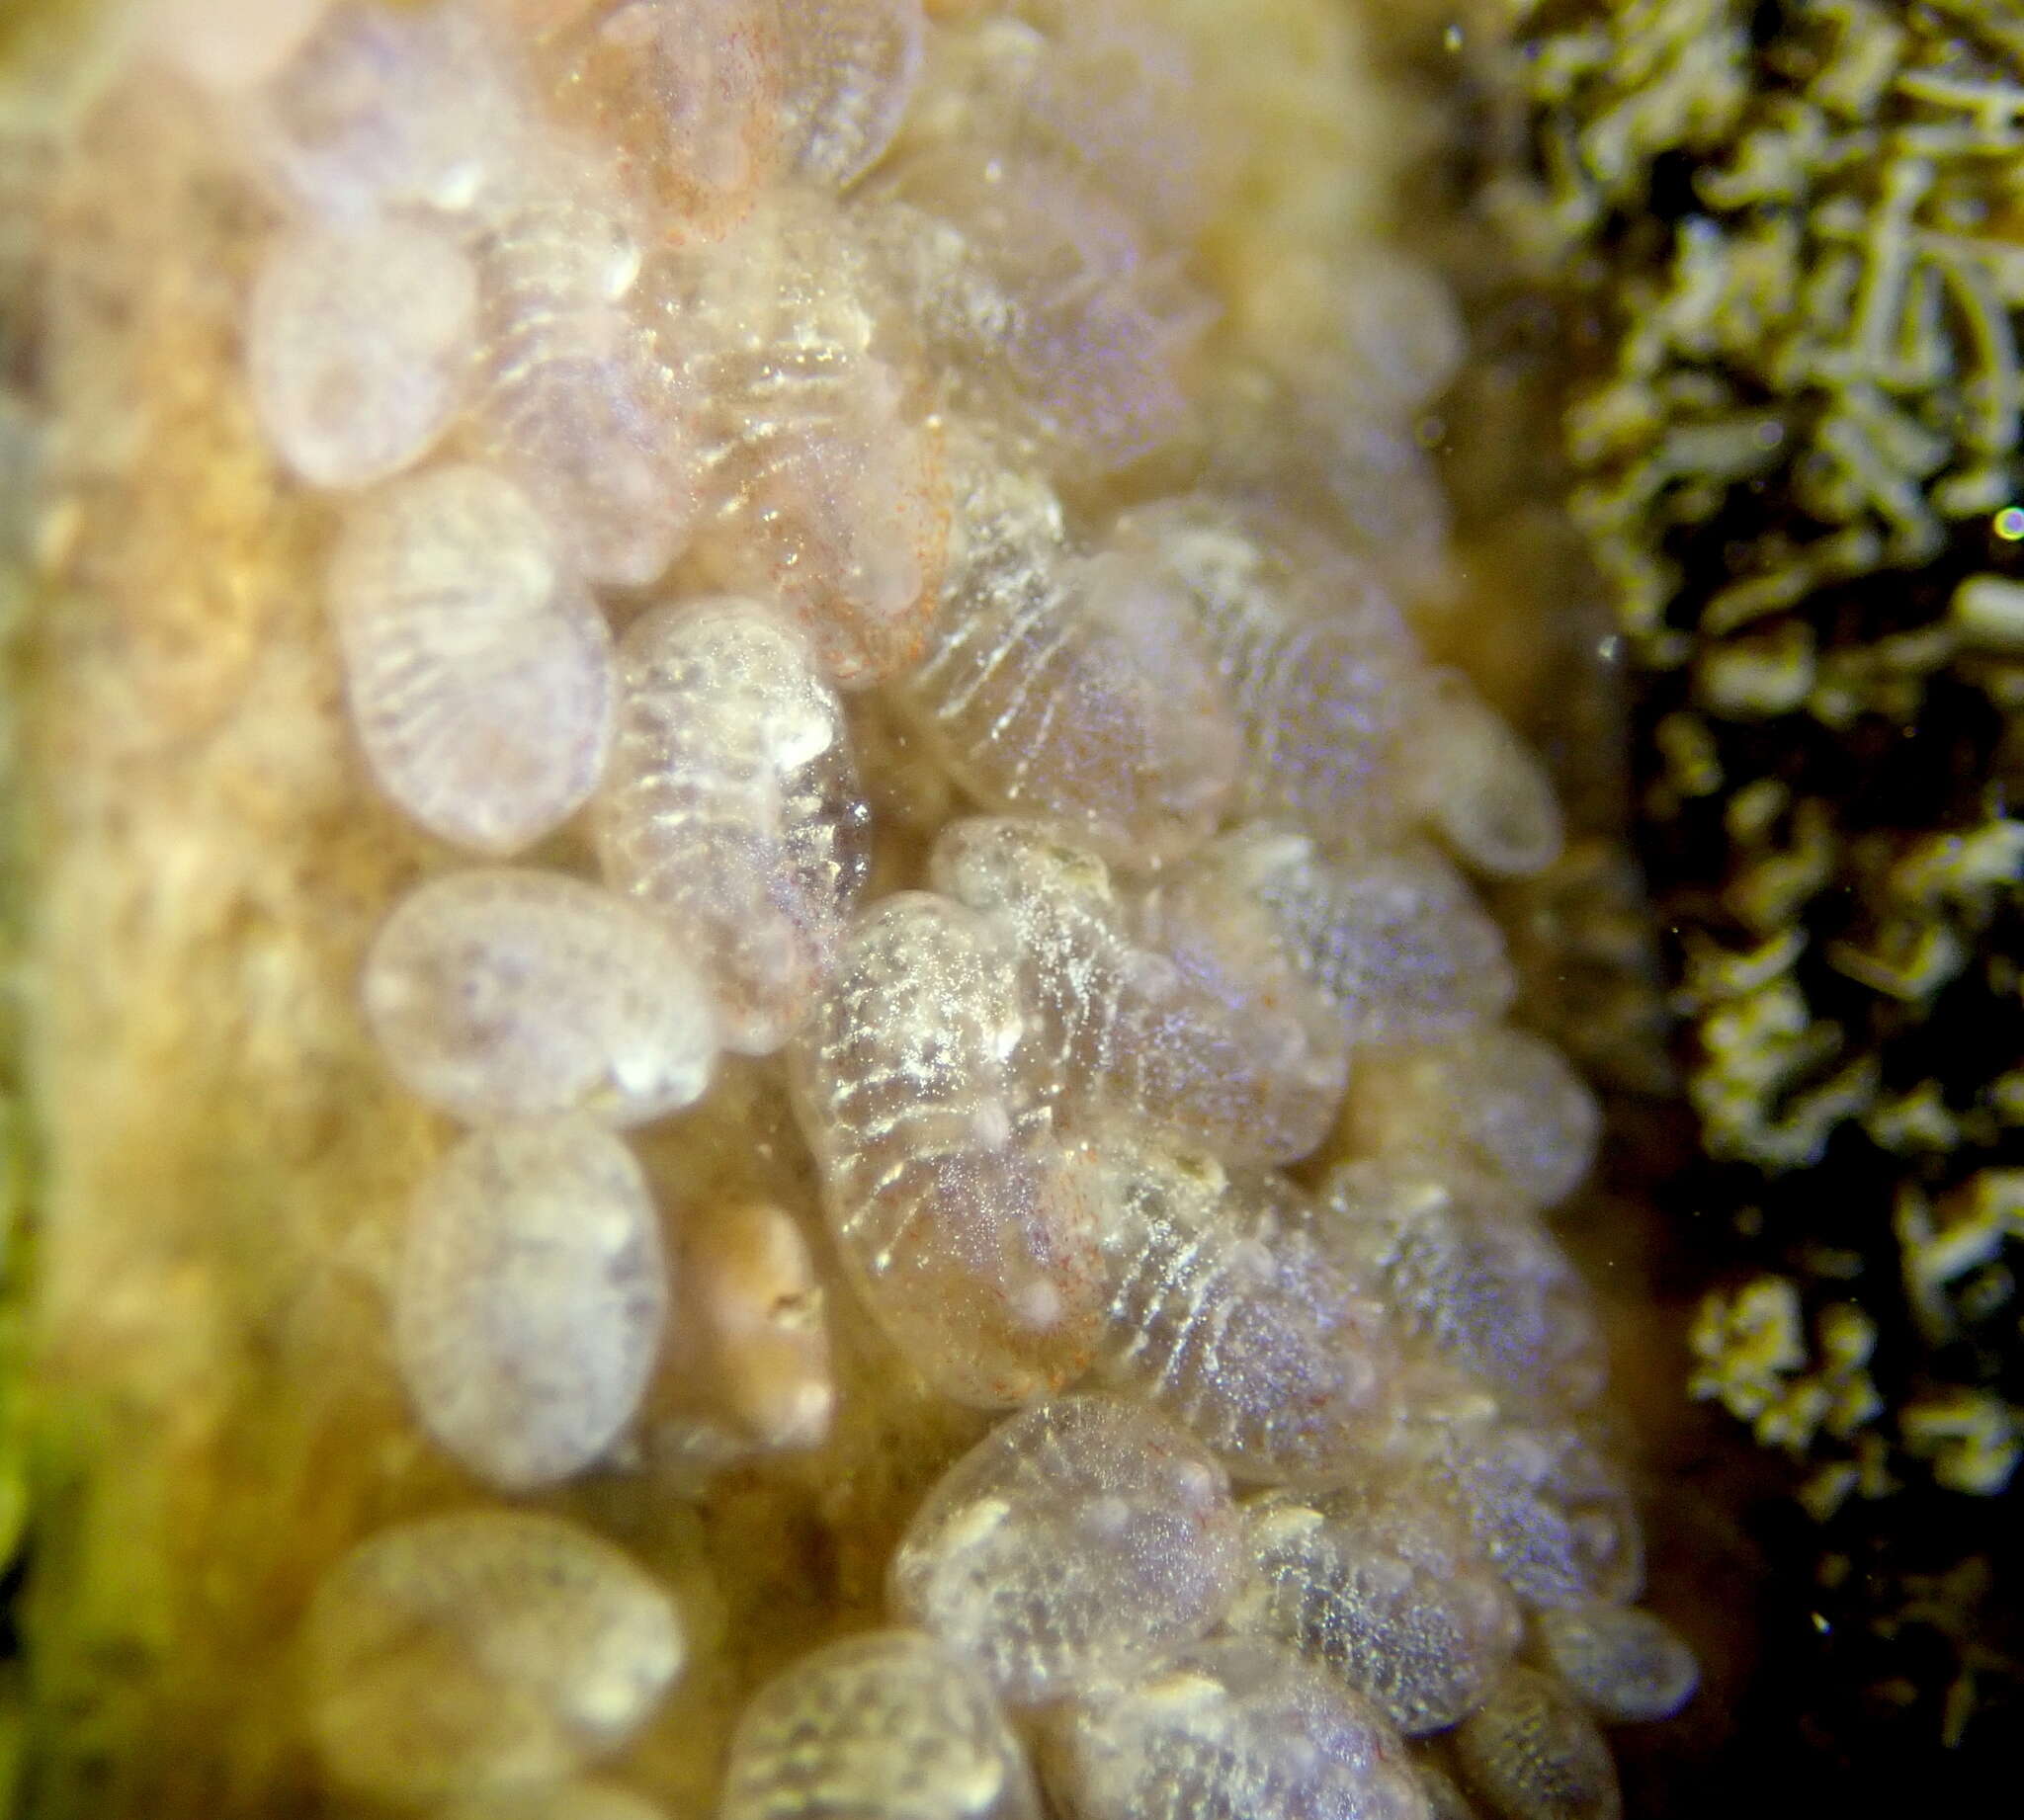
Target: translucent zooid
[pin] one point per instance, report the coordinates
(1463, 1266)
(389, 107)
(1380, 1583)
(1476, 783)
(1070, 687)
(1500, 1097)
(1040, 292)
(689, 91)
(850, 69)
(532, 1291)
(480, 669)
(1309, 648)
(1229, 1730)
(1075, 1544)
(1530, 1753)
(1128, 1031)
(733, 811)
(954, 1205)
(1232, 1310)
(358, 343)
(509, 993)
(889, 1726)
(821, 470)
(484, 1650)
(1393, 943)
(569, 396)
(1623, 1664)
(1553, 1513)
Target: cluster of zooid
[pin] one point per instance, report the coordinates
(618, 275)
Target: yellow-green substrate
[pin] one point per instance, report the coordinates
(1798, 228)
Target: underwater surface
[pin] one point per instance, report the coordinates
(940, 910)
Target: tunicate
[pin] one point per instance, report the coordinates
(1117, 93)
(479, 670)
(531, 1295)
(690, 92)
(1479, 785)
(1072, 686)
(888, 1726)
(357, 343)
(1532, 1753)
(733, 811)
(1038, 288)
(851, 67)
(1125, 1028)
(1309, 649)
(953, 1204)
(1075, 1544)
(1232, 1311)
(1101, 88)
(1231, 1730)
(1620, 1662)
(506, 993)
(820, 468)
(571, 395)
(1306, 444)
(1394, 943)
(1462, 1265)
(482, 1650)
(1381, 1585)
(390, 107)
(1500, 1097)
(1551, 1512)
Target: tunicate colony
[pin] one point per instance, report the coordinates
(702, 388)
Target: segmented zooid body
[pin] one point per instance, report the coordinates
(1380, 1583)
(1229, 1729)
(533, 1289)
(1550, 1510)
(819, 472)
(504, 992)
(1073, 1547)
(1394, 943)
(480, 1650)
(1533, 1753)
(571, 395)
(1041, 293)
(1124, 1029)
(951, 1198)
(1499, 1099)
(358, 346)
(1230, 1310)
(1465, 1267)
(1054, 914)
(1621, 1663)
(1040, 1103)
(477, 666)
(889, 1726)
(851, 67)
(733, 808)
(1053, 687)
(1308, 647)
(686, 92)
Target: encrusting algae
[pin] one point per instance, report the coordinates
(773, 1074)
(1791, 231)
